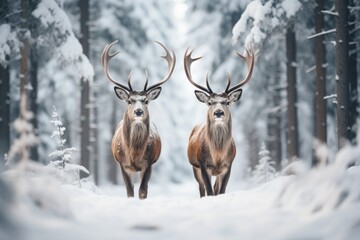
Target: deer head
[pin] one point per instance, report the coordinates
(218, 103)
(137, 100)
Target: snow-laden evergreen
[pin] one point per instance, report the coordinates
(19, 150)
(57, 30)
(7, 42)
(265, 170)
(260, 20)
(62, 157)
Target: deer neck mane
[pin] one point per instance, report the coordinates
(136, 134)
(218, 134)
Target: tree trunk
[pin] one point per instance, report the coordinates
(320, 102)
(4, 98)
(33, 99)
(252, 137)
(274, 120)
(24, 71)
(112, 165)
(342, 72)
(353, 74)
(95, 137)
(85, 90)
(292, 120)
(24, 61)
(4, 112)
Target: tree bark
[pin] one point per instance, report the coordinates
(274, 120)
(112, 165)
(4, 97)
(95, 137)
(353, 74)
(24, 71)
(252, 137)
(33, 99)
(24, 61)
(342, 72)
(85, 90)
(4, 113)
(292, 119)
(320, 102)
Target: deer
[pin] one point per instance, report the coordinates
(211, 148)
(136, 145)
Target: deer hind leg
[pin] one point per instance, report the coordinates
(145, 177)
(198, 177)
(128, 182)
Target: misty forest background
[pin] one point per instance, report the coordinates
(303, 93)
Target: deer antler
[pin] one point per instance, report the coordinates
(105, 59)
(249, 58)
(171, 60)
(188, 60)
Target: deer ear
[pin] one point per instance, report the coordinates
(121, 93)
(201, 96)
(153, 93)
(235, 96)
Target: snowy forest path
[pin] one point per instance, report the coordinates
(108, 214)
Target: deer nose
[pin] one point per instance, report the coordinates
(219, 113)
(139, 112)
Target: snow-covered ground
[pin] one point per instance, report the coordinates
(318, 204)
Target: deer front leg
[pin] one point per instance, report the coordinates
(145, 177)
(221, 181)
(217, 185)
(198, 177)
(224, 180)
(207, 179)
(128, 182)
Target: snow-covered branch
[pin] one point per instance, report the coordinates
(321, 33)
(330, 96)
(57, 27)
(259, 20)
(8, 41)
(330, 12)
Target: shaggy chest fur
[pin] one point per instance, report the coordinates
(211, 146)
(130, 143)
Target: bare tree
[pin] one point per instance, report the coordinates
(342, 72)
(320, 102)
(353, 74)
(274, 117)
(292, 118)
(4, 96)
(24, 61)
(33, 93)
(85, 89)
(111, 166)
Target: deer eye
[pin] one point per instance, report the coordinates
(209, 103)
(227, 102)
(146, 101)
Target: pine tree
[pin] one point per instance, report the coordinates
(62, 155)
(4, 89)
(292, 118)
(342, 72)
(85, 89)
(265, 170)
(19, 150)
